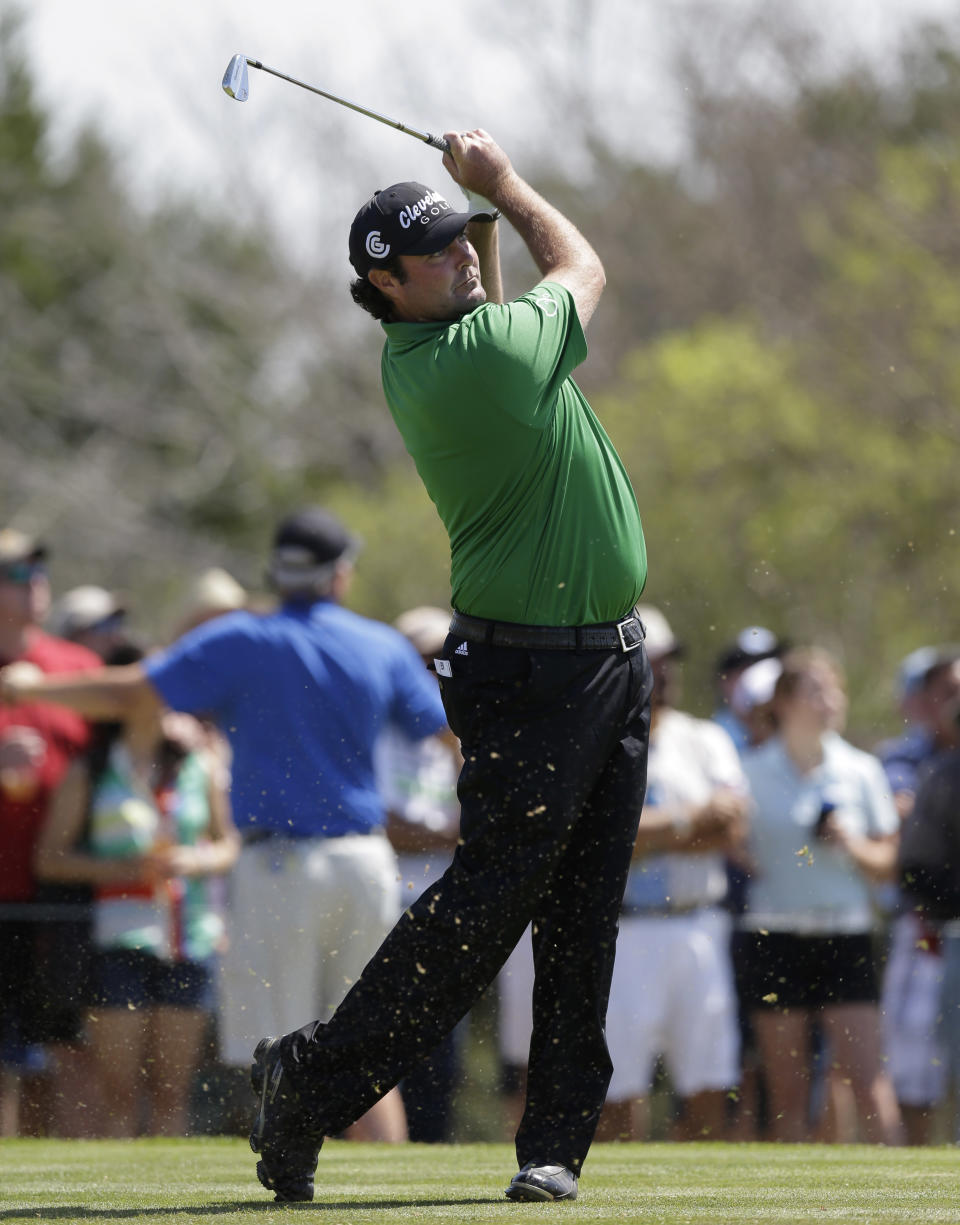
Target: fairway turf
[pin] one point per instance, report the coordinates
(212, 1181)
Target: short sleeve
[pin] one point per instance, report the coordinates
(199, 673)
(522, 351)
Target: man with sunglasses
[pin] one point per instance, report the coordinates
(37, 742)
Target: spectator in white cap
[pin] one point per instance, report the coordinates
(751, 697)
(627, 1093)
(673, 991)
(751, 645)
(211, 594)
(91, 616)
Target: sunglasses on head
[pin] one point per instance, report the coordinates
(21, 572)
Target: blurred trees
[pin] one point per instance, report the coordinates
(776, 357)
(160, 401)
(790, 416)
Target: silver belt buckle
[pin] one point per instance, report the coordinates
(624, 646)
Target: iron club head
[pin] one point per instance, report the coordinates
(236, 82)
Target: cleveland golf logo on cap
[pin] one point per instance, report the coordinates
(376, 247)
(405, 219)
(430, 206)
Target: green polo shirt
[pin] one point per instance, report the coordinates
(543, 523)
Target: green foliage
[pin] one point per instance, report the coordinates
(795, 446)
(160, 410)
(723, 449)
(811, 485)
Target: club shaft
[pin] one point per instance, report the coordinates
(436, 141)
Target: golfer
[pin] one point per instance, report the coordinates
(543, 675)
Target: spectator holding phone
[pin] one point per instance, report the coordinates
(824, 831)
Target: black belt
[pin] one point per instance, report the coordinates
(625, 635)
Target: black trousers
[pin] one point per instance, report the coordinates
(555, 754)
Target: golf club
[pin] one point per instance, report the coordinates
(236, 84)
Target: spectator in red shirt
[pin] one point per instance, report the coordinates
(37, 742)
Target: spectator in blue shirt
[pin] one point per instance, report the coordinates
(302, 694)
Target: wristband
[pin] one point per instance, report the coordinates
(475, 200)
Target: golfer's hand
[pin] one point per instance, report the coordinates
(477, 162)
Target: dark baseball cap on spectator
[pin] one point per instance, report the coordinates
(18, 546)
(307, 546)
(405, 219)
(914, 670)
(752, 644)
(316, 530)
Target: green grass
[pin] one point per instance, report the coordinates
(212, 1181)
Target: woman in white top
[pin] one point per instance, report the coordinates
(824, 831)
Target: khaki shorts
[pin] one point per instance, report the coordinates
(305, 917)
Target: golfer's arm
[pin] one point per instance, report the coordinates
(485, 237)
(557, 247)
(111, 693)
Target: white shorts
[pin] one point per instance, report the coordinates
(305, 917)
(673, 995)
(916, 1056)
(515, 988)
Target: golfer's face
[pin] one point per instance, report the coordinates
(442, 285)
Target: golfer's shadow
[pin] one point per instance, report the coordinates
(78, 1212)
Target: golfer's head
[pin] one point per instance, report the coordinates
(408, 244)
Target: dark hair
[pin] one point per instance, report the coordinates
(373, 300)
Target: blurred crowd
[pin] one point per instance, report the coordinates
(204, 840)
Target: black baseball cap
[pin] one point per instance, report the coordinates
(306, 548)
(751, 645)
(405, 219)
(317, 531)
